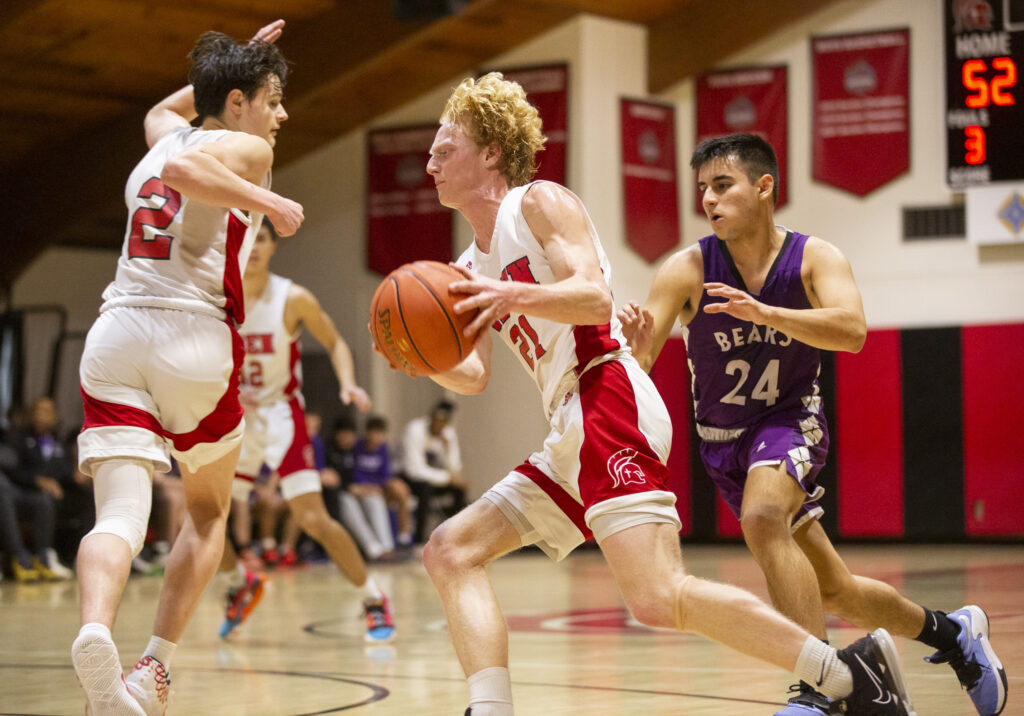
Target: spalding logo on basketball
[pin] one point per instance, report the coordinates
(413, 321)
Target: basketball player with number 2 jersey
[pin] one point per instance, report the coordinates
(160, 364)
(275, 433)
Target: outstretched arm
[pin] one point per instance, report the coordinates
(675, 292)
(303, 309)
(835, 321)
(178, 109)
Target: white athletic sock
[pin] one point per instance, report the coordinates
(268, 543)
(371, 589)
(819, 666)
(98, 668)
(490, 692)
(161, 650)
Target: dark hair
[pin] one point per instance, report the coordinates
(443, 406)
(270, 227)
(220, 64)
(754, 155)
(376, 422)
(345, 422)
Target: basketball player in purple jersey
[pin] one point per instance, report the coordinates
(757, 302)
(540, 278)
(159, 373)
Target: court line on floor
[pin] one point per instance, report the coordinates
(377, 692)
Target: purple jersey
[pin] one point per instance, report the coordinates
(743, 372)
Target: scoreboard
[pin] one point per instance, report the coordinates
(984, 93)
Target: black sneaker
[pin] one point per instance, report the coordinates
(806, 702)
(878, 687)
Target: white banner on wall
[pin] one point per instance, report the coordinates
(995, 213)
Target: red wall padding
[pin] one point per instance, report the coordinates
(672, 379)
(868, 438)
(993, 404)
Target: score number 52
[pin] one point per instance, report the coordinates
(983, 93)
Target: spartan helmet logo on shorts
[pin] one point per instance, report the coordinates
(624, 470)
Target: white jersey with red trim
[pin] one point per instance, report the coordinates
(179, 253)
(552, 353)
(273, 368)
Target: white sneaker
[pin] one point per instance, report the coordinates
(150, 685)
(56, 567)
(99, 672)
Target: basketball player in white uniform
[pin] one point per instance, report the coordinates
(538, 275)
(275, 434)
(160, 365)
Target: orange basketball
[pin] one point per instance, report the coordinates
(413, 322)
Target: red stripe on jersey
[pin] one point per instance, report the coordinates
(221, 421)
(300, 453)
(294, 358)
(234, 297)
(591, 342)
(565, 502)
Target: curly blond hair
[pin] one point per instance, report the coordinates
(493, 109)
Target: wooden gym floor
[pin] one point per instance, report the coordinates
(574, 649)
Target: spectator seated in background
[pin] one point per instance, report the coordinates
(372, 476)
(432, 464)
(366, 517)
(44, 475)
(274, 519)
(18, 504)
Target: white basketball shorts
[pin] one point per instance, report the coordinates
(275, 436)
(602, 467)
(160, 381)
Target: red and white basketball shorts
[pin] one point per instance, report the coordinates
(157, 381)
(602, 467)
(275, 436)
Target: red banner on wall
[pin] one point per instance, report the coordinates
(547, 89)
(405, 222)
(861, 108)
(649, 177)
(750, 100)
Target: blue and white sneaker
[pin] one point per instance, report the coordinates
(806, 702)
(380, 627)
(975, 662)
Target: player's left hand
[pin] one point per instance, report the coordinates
(493, 298)
(738, 304)
(356, 395)
(270, 33)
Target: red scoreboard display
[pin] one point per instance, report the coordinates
(984, 93)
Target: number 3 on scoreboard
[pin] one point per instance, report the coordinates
(157, 246)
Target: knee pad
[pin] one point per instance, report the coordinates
(124, 494)
(681, 604)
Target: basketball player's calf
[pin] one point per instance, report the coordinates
(312, 516)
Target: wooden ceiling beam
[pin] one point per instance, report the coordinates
(699, 35)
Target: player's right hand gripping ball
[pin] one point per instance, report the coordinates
(413, 322)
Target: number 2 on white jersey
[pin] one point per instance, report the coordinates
(766, 388)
